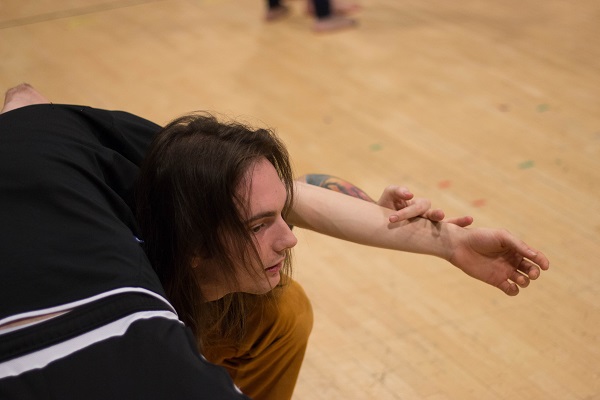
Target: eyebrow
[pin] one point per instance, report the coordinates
(266, 214)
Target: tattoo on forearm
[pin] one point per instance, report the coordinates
(336, 184)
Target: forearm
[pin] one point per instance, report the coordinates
(362, 222)
(336, 184)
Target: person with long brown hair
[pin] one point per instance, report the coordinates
(215, 203)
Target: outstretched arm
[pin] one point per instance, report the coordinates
(492, 256)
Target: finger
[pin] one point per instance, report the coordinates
(509, 288)
(395, 193)
(530, 269)
(463, 222)
(540, 259)
(395, 197)
(417, 208)
(530, 253)
(520, 279)
(403, 193)
(436, 215)
(536, 257)
(406, 213)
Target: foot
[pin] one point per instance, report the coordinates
(334, 23)
(21, 96)
(276, 13)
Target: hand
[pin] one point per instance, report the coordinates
(496, 257)
(402, 200)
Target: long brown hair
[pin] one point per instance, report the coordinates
(188, 207)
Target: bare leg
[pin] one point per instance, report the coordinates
(20, 96)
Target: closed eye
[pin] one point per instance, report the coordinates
(259, 221)
(257, 228)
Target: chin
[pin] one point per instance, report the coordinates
(268, 284)
(260, 286)
(274, 281)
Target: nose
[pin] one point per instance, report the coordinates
(286, 238)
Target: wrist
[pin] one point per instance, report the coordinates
(443, 238)
(452, 235)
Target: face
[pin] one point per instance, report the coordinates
(265, 195)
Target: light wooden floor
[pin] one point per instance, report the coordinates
(490, 108)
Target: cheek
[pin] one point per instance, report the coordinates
(251, 268)
(263, 244)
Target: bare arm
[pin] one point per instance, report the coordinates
(397, 198)
(493, 256)
(350, 218)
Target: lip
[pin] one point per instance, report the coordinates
(275, 268)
